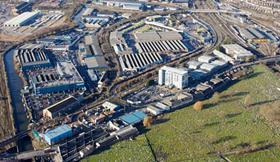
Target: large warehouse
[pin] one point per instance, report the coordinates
(136, 62)
(64, 77)
(159, 42)
(22, 19)
(33, 56)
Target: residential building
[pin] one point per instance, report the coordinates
(176, 77)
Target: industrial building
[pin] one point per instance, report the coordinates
(22, 19)
(178, 101)
(159, 42)
(82, 137)
(88, 12)
(64, 77)
(198, 74)
(238, 52)
(170, 76)
(244, 33)
(33, 56)
(133, 118)
(23, 7)
(209, 67)
(61, 107)
(134, 62)
(193, 64)
(91, 55)
(256, 33)
(223, 56)
(110, 106)
(206, 58)
(132, 6)
(124, 4)
(96, 63)
(219, 63)
(154, 110)
(59, 133)
(96, 22)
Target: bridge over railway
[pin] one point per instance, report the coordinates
(30, 154)
(218, 11)
(13, 138)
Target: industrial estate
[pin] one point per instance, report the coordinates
(139, 80)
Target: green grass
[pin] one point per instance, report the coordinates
(192, 136)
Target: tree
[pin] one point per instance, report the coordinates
(216, 98)
(150, 82)
(248, 100)
(148, 121)
(198, 106)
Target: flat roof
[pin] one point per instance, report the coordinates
(181, 71)
(21, 18)
(206, 58)
(237, 49)
(134, 117)
(61, 104)
(96, 62)
(208, 67)
(57, 131)
(64, 73)
(157, 36)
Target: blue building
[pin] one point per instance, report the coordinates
(23, 7)
(59, 133)
(133, 118)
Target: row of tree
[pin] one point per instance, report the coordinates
(199, 105)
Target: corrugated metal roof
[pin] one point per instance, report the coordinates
(134, 117)
(18, 20)
(130, 119)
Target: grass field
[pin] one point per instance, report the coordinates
(226, 127)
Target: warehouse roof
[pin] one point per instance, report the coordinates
(235, 49)
(206, 58)
(157, 36)
(57, 131)
(133, 118)
(21, 18)
(208, 67)
(96, 62)
(218, 62)
(193, 64)
(91, 41)
(62, 104)
(110, 105)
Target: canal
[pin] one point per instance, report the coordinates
(15, 85)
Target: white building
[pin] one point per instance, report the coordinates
(223, 56)
(206, 58)
(170, 76)
(238, 52)
(110, 106)
(22, 19)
